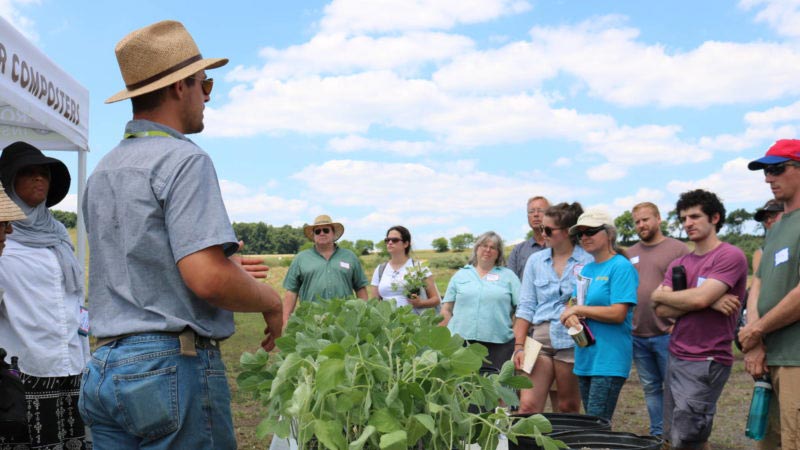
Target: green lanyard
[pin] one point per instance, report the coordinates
(147, 133)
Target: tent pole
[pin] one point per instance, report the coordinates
(81, 224)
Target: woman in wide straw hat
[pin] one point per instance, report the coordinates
(41, 319)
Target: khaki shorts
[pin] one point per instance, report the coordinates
(541, 333)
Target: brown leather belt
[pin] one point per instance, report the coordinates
(190, 341)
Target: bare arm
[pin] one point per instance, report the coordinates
(447, 313)
(289, 304)
(432, 293)
(373, 292)
(692, 299)
(610, 314)
(786, 312)
(362, 293)
(521, 327)
(223, 283)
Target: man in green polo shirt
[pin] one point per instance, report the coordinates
(770, 339)
(323, 271)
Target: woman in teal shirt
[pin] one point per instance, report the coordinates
(481, 298)
(603, 367)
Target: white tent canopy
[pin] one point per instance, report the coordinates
(42, 105)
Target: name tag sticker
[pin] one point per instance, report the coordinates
(781, 256)
(344, 265)
(577, 269)
(492, 277)
(700, 281)
(635, 260)
(83, 329)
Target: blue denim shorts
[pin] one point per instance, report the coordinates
(140, 392)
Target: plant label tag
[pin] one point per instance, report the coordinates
(492, 277)
(344, 265)
(532, 348)
(635, 260)
(781, 256)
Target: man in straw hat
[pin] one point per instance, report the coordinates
(162, 285)
(9, 212)
(323, 271)
(770, 338)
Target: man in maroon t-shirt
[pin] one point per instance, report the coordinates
(706, 312)
(651, 256)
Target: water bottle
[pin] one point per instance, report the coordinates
(678, 278)
(758, 417)
(14, 369)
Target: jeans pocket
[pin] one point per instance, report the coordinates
(148, 402)
(694, 423)
(87, 420)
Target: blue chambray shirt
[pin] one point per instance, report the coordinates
(150, 202)
(483, 306)
(544, 295)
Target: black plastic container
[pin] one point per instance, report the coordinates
(612, 440)
(562, 423)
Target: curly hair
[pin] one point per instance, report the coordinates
(708, 202)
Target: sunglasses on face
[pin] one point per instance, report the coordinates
(393, 240)
(317, 231)
(206, 84)
(548, 231)
(589, 231)
(777, 169)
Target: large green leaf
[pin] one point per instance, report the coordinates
(330, 375)
(330, 433)
(385, 421)
(396, 440)
(276, 426)
(427, 421)
(464, 362)
(334, 351)
(358, 444)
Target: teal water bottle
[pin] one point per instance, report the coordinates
(758, 417)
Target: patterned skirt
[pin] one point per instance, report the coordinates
(53, 419)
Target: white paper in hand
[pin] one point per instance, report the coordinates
(531, 352)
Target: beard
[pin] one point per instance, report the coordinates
(647, 235)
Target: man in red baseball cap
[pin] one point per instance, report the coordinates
(770, 338)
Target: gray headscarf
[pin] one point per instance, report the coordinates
(42, 230)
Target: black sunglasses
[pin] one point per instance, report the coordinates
(322, 230)
(549, 231)
(778, 169)
(589, 231)
(393, 240)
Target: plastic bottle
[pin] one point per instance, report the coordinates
(758, 417)
(14, 369)
(678, 278)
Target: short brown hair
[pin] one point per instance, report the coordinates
(643, 205)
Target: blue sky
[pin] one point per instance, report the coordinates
(446, 115)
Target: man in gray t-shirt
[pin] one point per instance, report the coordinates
(521, 252)
(163, 287)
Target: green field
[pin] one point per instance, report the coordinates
(631, 414)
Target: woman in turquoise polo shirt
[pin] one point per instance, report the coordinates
(481, 298)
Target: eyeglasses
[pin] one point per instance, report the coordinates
(206, 84)
(487, 247)
(549, 231)
(533, 211)
(778, 169)
(393, 240)
(589, 231)
(317, 231)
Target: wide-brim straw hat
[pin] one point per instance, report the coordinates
(156, 56)
(21, 154)
(9, 211)
(338, 228)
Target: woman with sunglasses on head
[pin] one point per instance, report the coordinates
(388, 282)
(547, 285)
(607, 312)
(480, 300)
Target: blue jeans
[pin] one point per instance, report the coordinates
(650, 356)
(141, 393)
(600, 394)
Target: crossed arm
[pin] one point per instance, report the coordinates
(711, 294)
